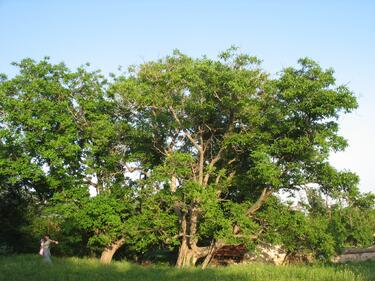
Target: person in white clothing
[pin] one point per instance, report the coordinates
(45, 244)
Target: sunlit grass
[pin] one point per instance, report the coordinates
(29, 267)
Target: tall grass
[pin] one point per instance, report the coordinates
(30, 268)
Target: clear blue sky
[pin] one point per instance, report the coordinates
(338, 34)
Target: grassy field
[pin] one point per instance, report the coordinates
(30, 268)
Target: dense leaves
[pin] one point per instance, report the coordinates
(179, 154)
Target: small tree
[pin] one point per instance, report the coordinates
(60, 124)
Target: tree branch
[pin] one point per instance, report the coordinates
(211, 165)
(201, 160)
(186, 132)
(133, 169)
(266, 192)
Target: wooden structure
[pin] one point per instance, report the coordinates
(356, 254)
(229, 254)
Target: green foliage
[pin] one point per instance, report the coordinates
(297, 232)
(178, 139)
(318, 228)
(56, 134)
(353, 225)
(278, 132)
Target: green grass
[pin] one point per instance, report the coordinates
(29, 267)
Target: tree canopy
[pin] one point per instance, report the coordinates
(184, 154)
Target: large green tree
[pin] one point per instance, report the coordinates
(179, 151)
(226, 137)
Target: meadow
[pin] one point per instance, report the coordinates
(31, 267)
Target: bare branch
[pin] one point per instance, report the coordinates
(211, 165)
(237, 230)
(88, 179)
(201, 160)
(266, 192)
(165, 152)
(194, 172)
(186, 132)
(133, 169)
(217, 179)
(229, 180)
(170, 147)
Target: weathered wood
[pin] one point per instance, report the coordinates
(359, 250)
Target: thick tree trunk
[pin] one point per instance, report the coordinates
(110, 250)
(186, 256)
(189, 252)
(211, 252)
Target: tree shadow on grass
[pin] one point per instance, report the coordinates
(133, 272)
(30, 268)
(84, 270)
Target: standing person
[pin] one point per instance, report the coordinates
(45, 247)
(41, 247)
